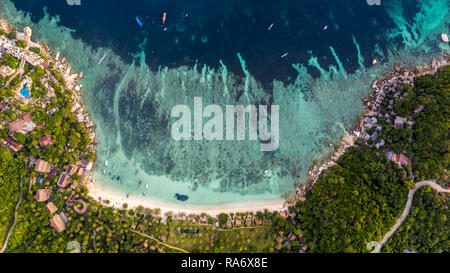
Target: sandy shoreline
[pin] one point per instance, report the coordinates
(117, 201)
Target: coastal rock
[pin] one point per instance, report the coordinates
(28, 32)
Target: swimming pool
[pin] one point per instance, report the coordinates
(24, 92)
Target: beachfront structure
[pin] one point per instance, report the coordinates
(42, 195)
(43, 166)
(82, 169)
(50, 206)
(57, 223)
(23, 125)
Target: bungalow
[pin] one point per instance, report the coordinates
(292, 237)
(63, 180)
(237, 223)
(374, 136)
(42, 195)
(43, 166)
(57, 223)
(85, 164)
(381, 143)
(72, 169)
(400, 121)
(404, 160)
(45, 141)
(53, 172)
(23, 125)
(51, 207)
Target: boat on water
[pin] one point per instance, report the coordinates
(115, 167)
(107, 154)
(138, 21)
(270, 27)
(104, 171)
(181, 197)
(100, 62)
(145, 192)
(106, 163)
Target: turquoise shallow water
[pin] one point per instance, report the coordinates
(130, 105)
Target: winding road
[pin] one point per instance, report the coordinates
(5, 244)
(407, 210)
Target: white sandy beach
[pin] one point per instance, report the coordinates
(117, 201)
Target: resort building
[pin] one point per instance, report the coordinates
(43, 166)
(23, 125)
(400, 159)
(11, 144)
(51, 207)
(23, 93)
(71, 170)
(42, 195)
(6, 71)
(20, 53)
(403, 160)
(52, 173)
(45, 141)
(57, 223)
(64, 180)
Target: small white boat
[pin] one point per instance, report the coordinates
(107, 154)
(101, 60)
(146, 188)
(284, 55)
(106, 163)
(115, 167)
(325, 27)
(104, 171)
(270, 27)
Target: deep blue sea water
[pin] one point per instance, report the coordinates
(223, 51)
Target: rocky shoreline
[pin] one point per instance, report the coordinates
(48, 61)
(380, 87)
